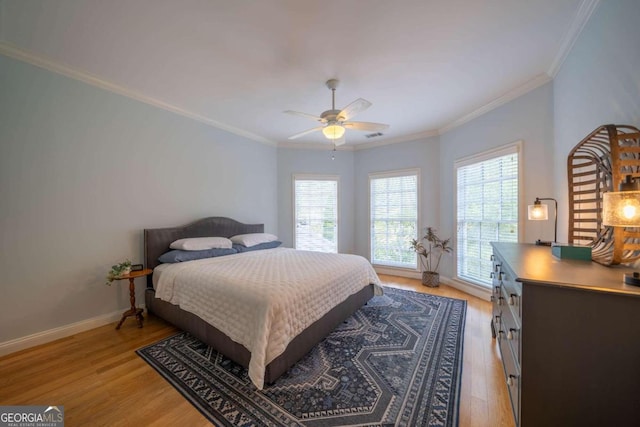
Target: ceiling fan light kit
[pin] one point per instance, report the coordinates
(335, 122)
(333, 131)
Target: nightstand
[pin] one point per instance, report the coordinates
(133, 311)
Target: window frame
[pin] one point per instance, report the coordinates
(504, 150)
(394, 174)
(315, 177)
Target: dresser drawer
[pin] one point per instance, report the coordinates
(511, 372)
(496, 319)
(507, 313)
(497, 297)
(511, 327)
(512, 292)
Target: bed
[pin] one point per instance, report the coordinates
(264, 366)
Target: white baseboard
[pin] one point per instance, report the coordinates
(467, 287)
(401, 272)
(44, 337)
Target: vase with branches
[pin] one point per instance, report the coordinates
(430, 249)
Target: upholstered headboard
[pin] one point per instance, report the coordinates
(157, 240)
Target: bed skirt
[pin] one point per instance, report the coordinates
(296, 349)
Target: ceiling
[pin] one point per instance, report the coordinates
(426, 65)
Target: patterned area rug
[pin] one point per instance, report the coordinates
(396, 362)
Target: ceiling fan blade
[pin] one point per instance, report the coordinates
(298, 135)
(354, 108)
(308, 116)
(368, 126)
(340, 141)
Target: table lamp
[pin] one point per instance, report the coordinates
(622, 209)
(540, 212)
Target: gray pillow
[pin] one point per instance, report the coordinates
(178, 255)
(266, 245)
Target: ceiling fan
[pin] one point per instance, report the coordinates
(335, 122)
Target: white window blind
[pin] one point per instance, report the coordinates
(316, 214)
(394, 218)
(487, 211)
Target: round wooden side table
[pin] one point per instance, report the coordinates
(133, 311)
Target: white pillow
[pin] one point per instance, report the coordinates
(201, 243)
(253, 239)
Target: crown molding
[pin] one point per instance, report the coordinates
(14, 52)
(361, 146)
(532, 84)
(583, 15)
(314, 146)
(396, 140)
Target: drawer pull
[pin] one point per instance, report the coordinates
(492, 257)
(492, 275)
(511, 380)
(512, 299)
(497, 320)
(497, 267)
(500, 299)
(511, 332)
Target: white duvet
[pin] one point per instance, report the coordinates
(264, 299)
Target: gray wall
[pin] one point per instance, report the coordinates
(599, 83)
(422, 154)
(316, 162)
(528, 118)
(354, 169)
(83, 171)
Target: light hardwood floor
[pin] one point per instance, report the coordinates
(100, 380)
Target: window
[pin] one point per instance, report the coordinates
(487, 209)
(316, 213)
(394, 218)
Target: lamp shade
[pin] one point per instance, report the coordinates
(538, 212)
(333, 131)
(621, 208)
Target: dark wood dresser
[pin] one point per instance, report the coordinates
(569, 336)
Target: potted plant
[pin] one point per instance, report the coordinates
(118, 271)
(430, 249)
